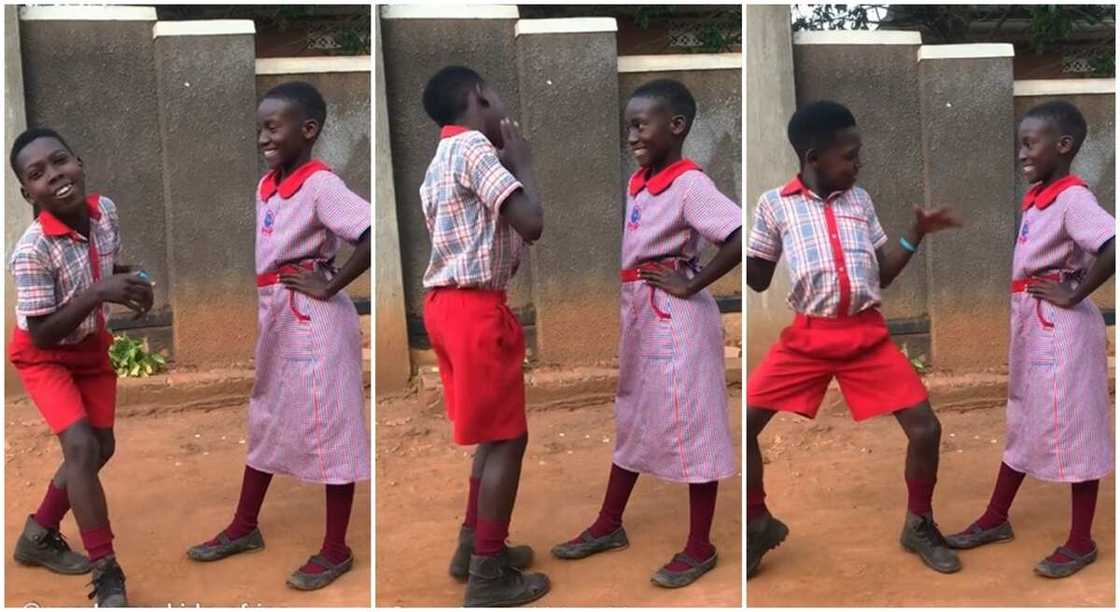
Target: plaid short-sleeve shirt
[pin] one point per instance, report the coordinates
(462, 195)
(52, 263)
(829, 244)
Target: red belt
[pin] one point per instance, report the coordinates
(1020, 285)
(631, 275)
(271, 278)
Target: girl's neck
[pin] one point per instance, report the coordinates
(670, 158)
(1059, 173)
(287, 169)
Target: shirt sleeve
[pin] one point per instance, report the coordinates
(876, 234)
(712, 214)
(485, 175)
(34, 282)
(765, 241)
(340, 210)
(1087, 224)
(109, 209)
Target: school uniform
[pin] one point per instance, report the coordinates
(478, 341)
(838, 331)
(1058, 409)
(671, 404)
(51, 264)
(306, 408)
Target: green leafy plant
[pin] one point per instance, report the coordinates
(131, 357)
(918, 363)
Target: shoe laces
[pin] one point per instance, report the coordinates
(52, 539)
(107, 582)
(928, 531)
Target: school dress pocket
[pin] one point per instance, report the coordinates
(656, 339)
(292, 329)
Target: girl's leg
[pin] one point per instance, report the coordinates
(701, 510)
(1084, 498)
(1007, 485)
(340, 500)
(254, 486)
(619, 486)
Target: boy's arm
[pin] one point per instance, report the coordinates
(127, 289)
(522, 208)
(760, 272)
(893, 257)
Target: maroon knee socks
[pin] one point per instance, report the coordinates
(756, 504)
(55, 505)
(701, 509)
(490, 537)
(619, 486)
(98, 542)
(1007, 485)
(254, 485)
(1084, 498)
(340, 500)
(919, 499)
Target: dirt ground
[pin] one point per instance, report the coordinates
(839, 487)
(421, 494)
(174, 482)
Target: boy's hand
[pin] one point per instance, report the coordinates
(668, 280)
(515, 153)
(1058, 294)
(930, 221)
(128, 290)
(312, 283)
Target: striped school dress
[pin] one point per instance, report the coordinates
(306, 410)
(1058, 408)
(671, 405)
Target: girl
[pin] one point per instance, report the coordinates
(305, 413)
(671, 406)
(1058, 409)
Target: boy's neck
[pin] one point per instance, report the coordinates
(1060, 172)
(77, 221)
(673, 156)
(287, 169)
(814, 183)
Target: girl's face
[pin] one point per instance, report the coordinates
(51, 177)
(651, 130)
(284, 134)
(1040, 148)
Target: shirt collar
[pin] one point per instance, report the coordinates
(795, 186)
(52, 226)
(452, 130)
(1040, 197)
(290, 185)
(661, 181)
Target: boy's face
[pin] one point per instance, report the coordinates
(837, 165)
(1041, 148)
(651, 130)
(283, 133)
(51, 177)
(493, 110)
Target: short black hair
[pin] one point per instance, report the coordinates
(673, 94)
(305, 96)
(815, 125)
(29, 136)
(1066, 117)
(445, 95)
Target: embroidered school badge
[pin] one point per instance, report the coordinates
(1024, 233)
(269, 221)
(635, 217)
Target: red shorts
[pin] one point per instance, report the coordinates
(875, 377)
(481, 351)
(68, 382)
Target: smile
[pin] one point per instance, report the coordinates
(64, 191)
(270, 153)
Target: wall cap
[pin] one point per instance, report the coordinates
(205, 27)
(973, 51)
(575, 25)
(87, 13)
(857, 37)
(680, 62)
(448, 11)
(1064, 87)
(313, 65)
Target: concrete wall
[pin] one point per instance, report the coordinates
(1096, 162)
(18, 214)
(716, 139)
(770, 159)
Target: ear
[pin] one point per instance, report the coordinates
(812, 156)
(483, 101)
(26, 196)
(311, 128)
(1065, 144)
(678, 125)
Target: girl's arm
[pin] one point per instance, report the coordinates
(127, 289)
(676, 284)
(315, 284)
(1062, 296)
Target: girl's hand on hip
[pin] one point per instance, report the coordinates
(1058, 294)
(312, 283)
(668, 280)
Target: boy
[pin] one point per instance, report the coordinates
(480, 203)
(839, 258)
(65, 270)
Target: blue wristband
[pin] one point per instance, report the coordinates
(907, 246)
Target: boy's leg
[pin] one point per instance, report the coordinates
(82, 452)
(470, 519)
(757, 419)
(56, 503)
(920, 534)
(501, 476)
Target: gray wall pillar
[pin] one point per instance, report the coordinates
(967, 109)
(393, 360)
(567, 73)
(770, 159)
(18, 213)
(207, 79)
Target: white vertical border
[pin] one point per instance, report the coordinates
(375, 19)
(743, 314)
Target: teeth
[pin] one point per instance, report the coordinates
(65, 191)
(270, 153)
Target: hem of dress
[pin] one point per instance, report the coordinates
(302, 478)
(1048, 478)
(675, 478)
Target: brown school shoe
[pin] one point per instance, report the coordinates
(675, 580)
(45, 546)
(977, 536)
(921, 536)
(226, 547)
(309, 582)
(520, 557)
(763, 535)
(108, 584)
(1054, 569)
(494, 583)
(586, 544)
